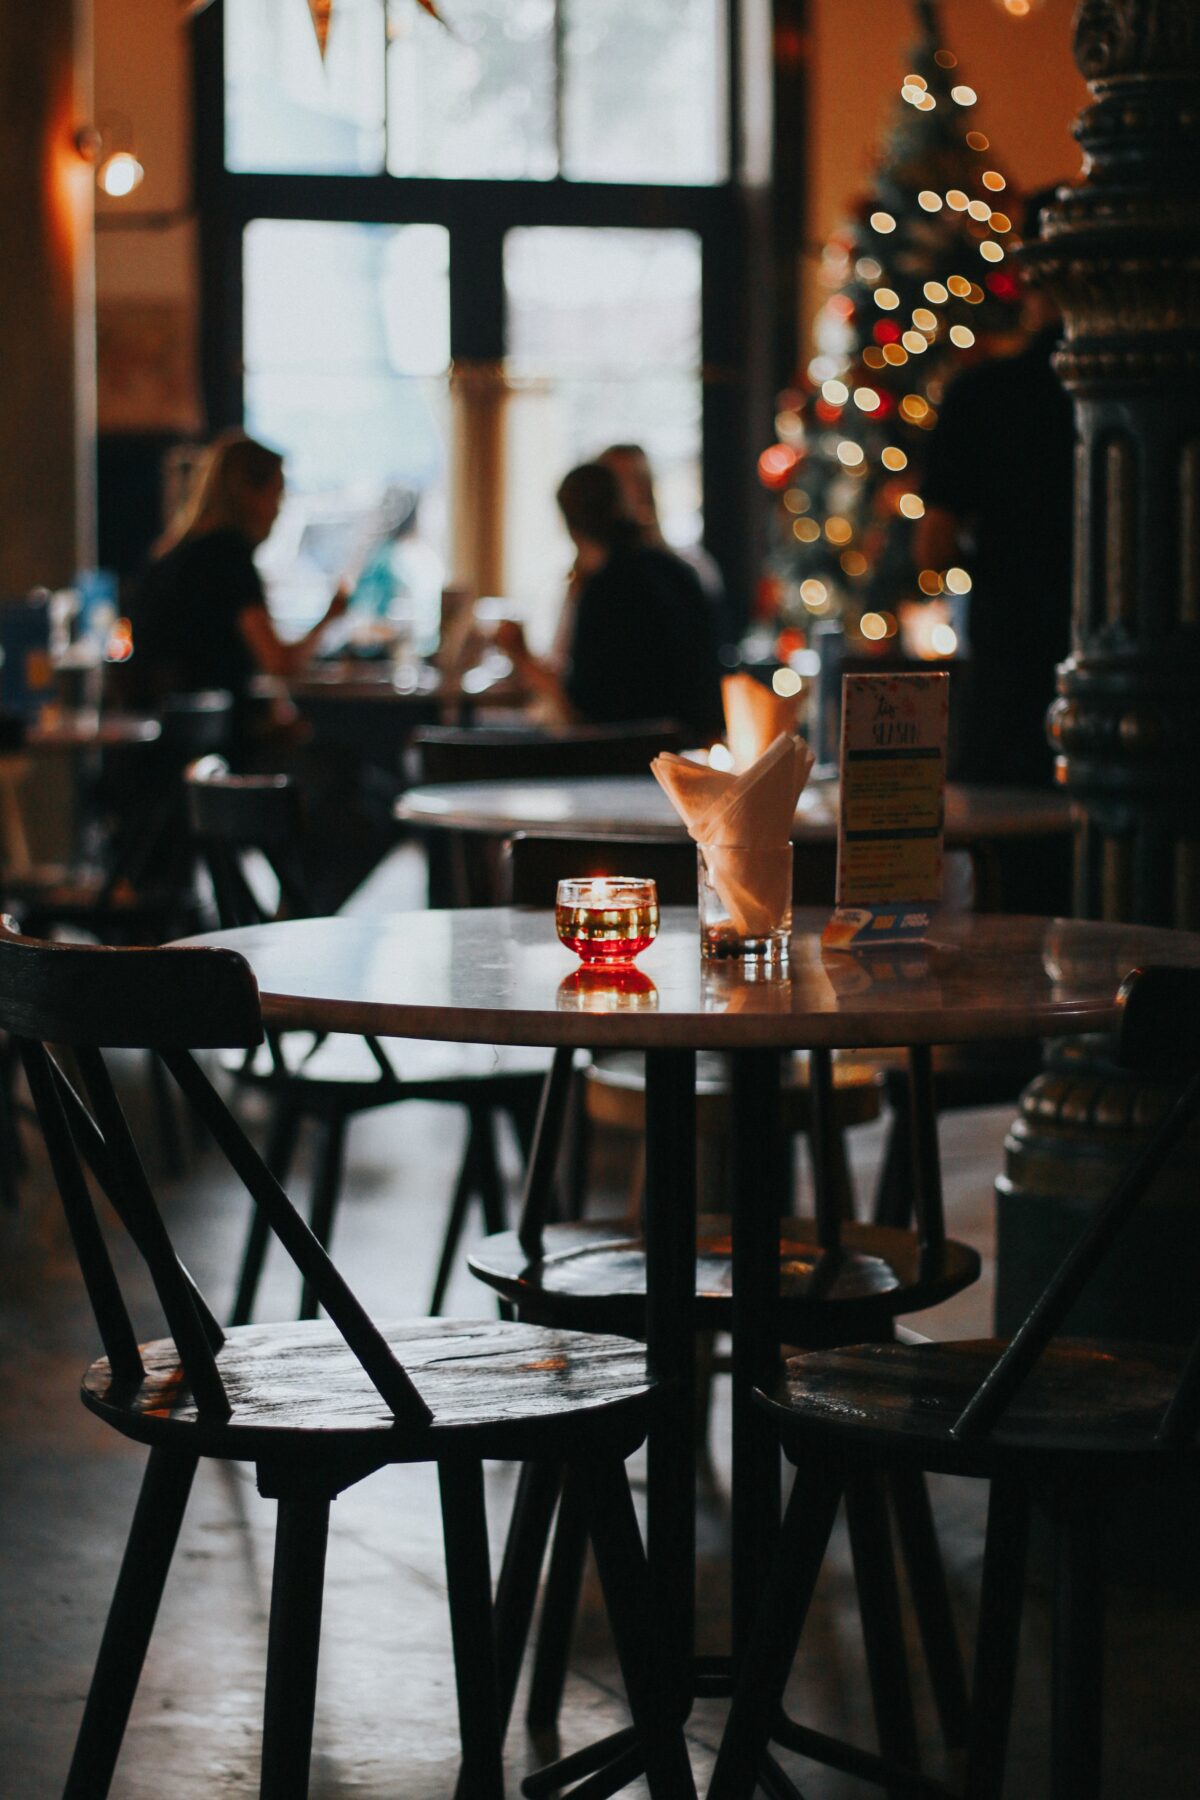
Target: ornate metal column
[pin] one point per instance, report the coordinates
(1121, 255)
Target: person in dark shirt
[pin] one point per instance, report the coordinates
(998, 491)
(200, 617)
(642, 643)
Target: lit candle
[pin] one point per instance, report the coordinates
(607, 918)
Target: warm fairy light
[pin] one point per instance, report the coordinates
(895, 355)
(894, 458)
(980, 211)
(929, 200)
(929, 582)
(119, 174)
(1018, 9)
(958, 285)
(866, 399)
(913, 406)
(912, 506)
(786, 683)
(835, 392)
(915, 342)
(806, 530)
(912, 93)
(958, 581)
(991, 251)
(789, 425)
(962, 336)
(924, 320)
(943, 639)
(720, 756)
(838, 530)
(853, 562)
(775, 465)
(945, 59)
(882, 222)
(872, 626)
(957, 200)
(917, 81)
(814, 594)
(977, 141)
(963, 96)
(933, 290)
(1000, 222)
(796, 500)
(992, 178)
(867, 269)
(873, 357)
(850, 453)
(822, 367)
(926, 103)
(974, 294)
(887, 298)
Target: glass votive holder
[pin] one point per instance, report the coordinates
(745, 893)
(607, 918)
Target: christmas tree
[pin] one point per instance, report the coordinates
(920, 282)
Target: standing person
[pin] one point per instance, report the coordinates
(200, 617)
(641, 642)
(998, 493)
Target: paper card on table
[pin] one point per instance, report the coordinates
(893, 786)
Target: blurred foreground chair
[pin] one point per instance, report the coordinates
(593, 1275)
(315, 1407)
(330, 1080)
(1065, 1423)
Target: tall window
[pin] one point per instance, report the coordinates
(540, 196)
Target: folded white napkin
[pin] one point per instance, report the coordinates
(755, 716)
(739, 820)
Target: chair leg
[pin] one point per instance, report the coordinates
(882, 1626)
(931, 1603)
(775, 1633)
(999, 1631)
(893, 1190)
(491, 1182)
(152, 1539)
(327, 1185)
(559, 1606)
(293, 1645)
(1078, 1674)
(472, 1627)
(280, 1148)
(621, 1561)
(460, 1201)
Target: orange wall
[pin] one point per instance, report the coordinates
(1029, 92)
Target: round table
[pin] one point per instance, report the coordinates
(635, 806)
(500, 976)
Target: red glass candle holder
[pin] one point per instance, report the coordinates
(607, 918)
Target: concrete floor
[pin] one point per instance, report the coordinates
(386, 1726)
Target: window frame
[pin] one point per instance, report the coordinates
(741, 299)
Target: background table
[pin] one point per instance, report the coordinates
(500, 976)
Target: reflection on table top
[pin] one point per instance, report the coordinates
(501, 976)
(378, 683)
(635, 806)
(88, 729)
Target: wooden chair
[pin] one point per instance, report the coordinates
(1063, 1422)
(464, 868)
(329, 1081)
(316, 1407)
(588, 1271)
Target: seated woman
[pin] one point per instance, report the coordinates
(200, 618)
(641, 643)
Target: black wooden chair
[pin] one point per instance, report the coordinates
(591, 1275)
(330, 1080)
(465, 867)
(1064, 1422)
(316, 1407)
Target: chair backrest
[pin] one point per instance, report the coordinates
(91, 999)
(445, 753)
(234, 815)
(1158, 1031)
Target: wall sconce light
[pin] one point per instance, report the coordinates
(109, 147)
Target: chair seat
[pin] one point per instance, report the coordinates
(615, 1089)
(591, 1275)
(495, 1389)
(1082, 1399)
(346, 1062)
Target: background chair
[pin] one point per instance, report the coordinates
(1064, 1423)
(328, 1081)
(314, 1407)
